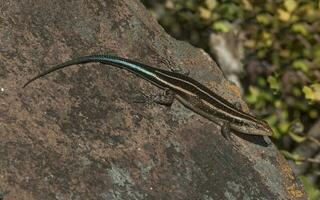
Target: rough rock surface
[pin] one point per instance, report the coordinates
(79, 134)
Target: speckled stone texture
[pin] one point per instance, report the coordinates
(80, 134)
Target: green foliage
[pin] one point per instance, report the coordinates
(312, 92)
(313, 192)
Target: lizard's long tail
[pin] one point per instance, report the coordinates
(142, 70)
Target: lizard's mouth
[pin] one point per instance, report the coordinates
(252, 130)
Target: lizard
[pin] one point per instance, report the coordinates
(191, 93)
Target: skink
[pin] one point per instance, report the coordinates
(188, 91)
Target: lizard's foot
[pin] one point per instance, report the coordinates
(142, 98)
(267, 140)
(179, 70)
(165, 98)
(238, 105)
(226, 131)
(176, 69)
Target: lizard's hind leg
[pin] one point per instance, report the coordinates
(165, 98)
(226, 130)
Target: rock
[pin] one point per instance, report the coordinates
(78, 134)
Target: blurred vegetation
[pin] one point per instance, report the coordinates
(282, 56)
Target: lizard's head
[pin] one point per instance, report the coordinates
(264, 126)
